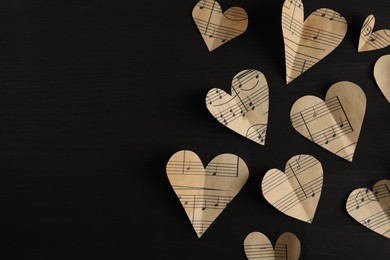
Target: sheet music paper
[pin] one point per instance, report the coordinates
(307, 42)
(258, 246)
(382, 75)
(370, 40)
(205, 192)
(372, 208)
(296, 191)
(335, 123)
(217, 27)
(245, 110)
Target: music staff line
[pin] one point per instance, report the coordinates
(245, 77)
(293, 170)
(377, 220)
(363, 198)
(238, 110)
(200, 226)
(299, 61)
(204, 202)
(257, 131)
(316, 111)
(295, 3)
(258, 251)
(331, 133)
(195, 168)
(238, 14)
(213, 30)
(298, 195)
(321, 36)
(377, 41)
(330, 15)
(258, 94)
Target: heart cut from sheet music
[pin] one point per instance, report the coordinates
(258, 246)
(382, 75)
(217, 27)
(205, 192)
(335, 123)
(369, 40)
(296, 191)
(371, 208)
(245, 111)
(307, 42)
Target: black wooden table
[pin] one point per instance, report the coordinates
(95, 96)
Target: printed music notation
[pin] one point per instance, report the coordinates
(297, 190)
(205, 192)
(334, 123)
(370, 40)
(245, 111)
(217, 27)
(258, 246)
(308, 41)
(372, 208)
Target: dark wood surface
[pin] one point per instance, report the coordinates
(95, 96)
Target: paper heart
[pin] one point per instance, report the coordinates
(217, 27)
(296, 191)
(307, 42)
(372, 208)
(258, 246)
(246, 110)
(205, 192)
(369, 40)
(382, 75)
(334, 123)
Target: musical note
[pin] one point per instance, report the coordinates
(326, 139)
(216, 170)
(217, 27)
(297, 162)
(205, 192)
(316, 36)
(202, 6)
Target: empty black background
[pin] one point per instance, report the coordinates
(95, 96)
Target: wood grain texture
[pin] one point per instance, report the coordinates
(95, 96)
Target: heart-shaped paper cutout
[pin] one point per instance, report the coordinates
(382, 75)
(296, 191)
(334, 123)
(205, 192)
(258, 246)
(246, 110)
(307, 42)
(369, 40)
(372, 208)
(217, 27)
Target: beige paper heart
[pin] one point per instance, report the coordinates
(382, 75)
(307, 42)
(372, 208)
(217, 27)
(369, 40)
(205, 192)
(246, 110)
(335, 123)
(258, 246)
(297, 191)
